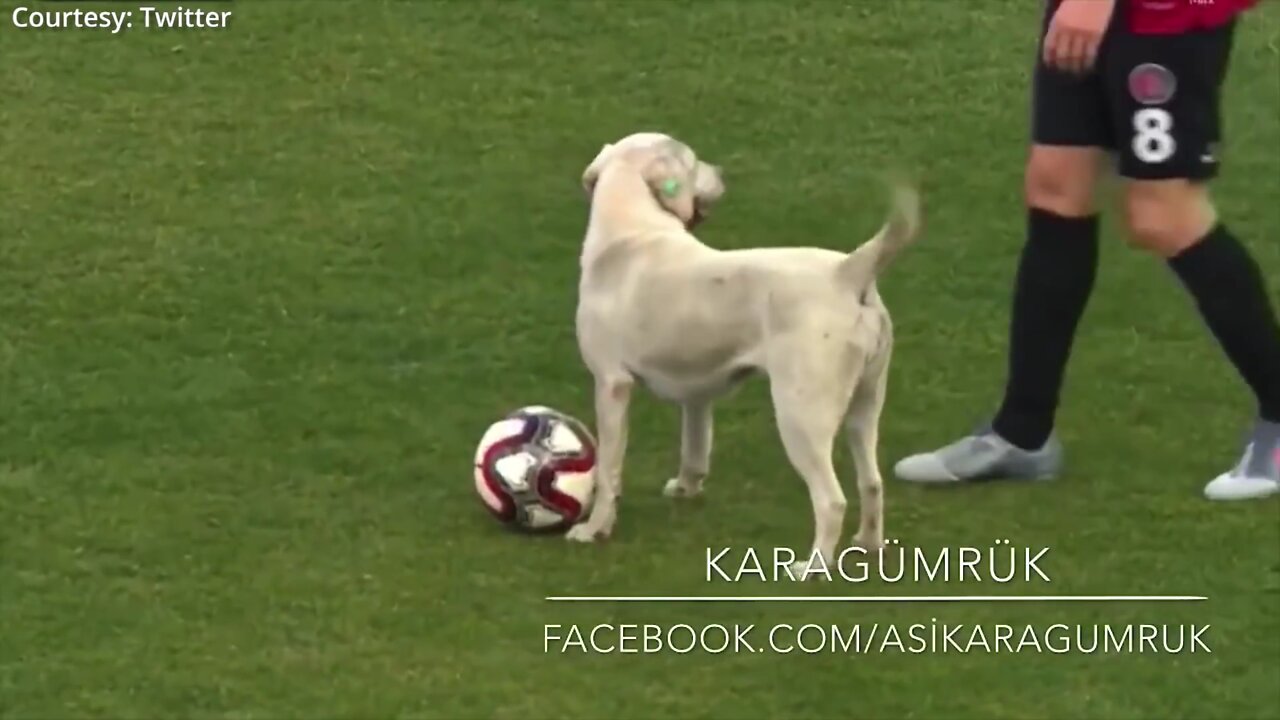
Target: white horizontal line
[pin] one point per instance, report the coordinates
(873, 598)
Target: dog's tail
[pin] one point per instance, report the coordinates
(862, 266)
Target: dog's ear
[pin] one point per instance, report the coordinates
(673, 185)
(592, 173)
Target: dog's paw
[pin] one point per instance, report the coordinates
(869, 544)
(678, 488)
(585, 533)
(802, 572)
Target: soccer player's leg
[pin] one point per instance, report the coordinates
(1165, 93)
(1071, 131)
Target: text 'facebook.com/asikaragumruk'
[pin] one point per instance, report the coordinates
(919, 638)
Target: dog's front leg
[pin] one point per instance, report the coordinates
(695, 450)
(613, 399)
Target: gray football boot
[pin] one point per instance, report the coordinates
(984, 455)
(1258, 472)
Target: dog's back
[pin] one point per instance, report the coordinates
(692, 320)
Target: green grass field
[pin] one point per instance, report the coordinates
(262, 288)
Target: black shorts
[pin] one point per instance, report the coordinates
(1154, 100)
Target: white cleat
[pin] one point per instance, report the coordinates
(983, 455)
(1258, 473)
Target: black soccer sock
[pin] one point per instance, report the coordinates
(1228, 288)
(1055, 278)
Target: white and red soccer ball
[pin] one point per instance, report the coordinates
(535, 469)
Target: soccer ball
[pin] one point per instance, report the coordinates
(535, 469)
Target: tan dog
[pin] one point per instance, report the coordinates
(690, 322)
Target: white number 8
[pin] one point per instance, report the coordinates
(1152, 142)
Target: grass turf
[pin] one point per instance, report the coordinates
(261, 288)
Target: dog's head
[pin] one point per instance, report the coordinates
(681, 183)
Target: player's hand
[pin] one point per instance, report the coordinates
(1075, 33)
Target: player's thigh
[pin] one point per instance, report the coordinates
(1070, 131)
(1165, 93)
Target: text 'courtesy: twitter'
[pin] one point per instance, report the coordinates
(144, 17)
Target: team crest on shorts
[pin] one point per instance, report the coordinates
(1152, 84)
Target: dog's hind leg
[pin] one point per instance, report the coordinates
(863, 431)
(695, 450)
(613, 400)
(810, 404)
